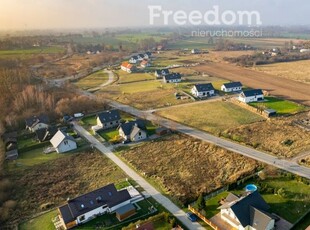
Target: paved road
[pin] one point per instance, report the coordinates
(111, 78)
(289, 166)
(164, 201)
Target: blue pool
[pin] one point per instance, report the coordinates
(251, 188)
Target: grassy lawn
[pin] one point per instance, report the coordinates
(144, 86)
(125, 77)
(36, 50)
(290, 208)
(281, 106)
(31, 158)
(212, 117)
(89, 120)
(93, 80)
(38, 223)
(108, 134)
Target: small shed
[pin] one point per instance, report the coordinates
(125, 212)
(161, 131)
(270, 112)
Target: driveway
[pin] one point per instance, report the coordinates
(164, 201)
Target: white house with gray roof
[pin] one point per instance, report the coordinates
(232, 87)
(62, 142)
(108, 119)
(253, 95)
(133, 130)
(203, 90)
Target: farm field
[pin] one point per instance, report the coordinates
(184, 167)
(78, 173)
(93, 80)
(284, 88)
(37, 50)
(298, 70)
(279, 136)
(213, 117)
(282, 107)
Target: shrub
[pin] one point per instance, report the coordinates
(288, 142)
(281, 192)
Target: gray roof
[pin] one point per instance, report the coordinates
(204, 87)
(232, 85)
(108, 116)
(30, 122)
(46, 134)
(129, 126)
(135, 130)
(241, 207)
(59, 137)
(253, 92)
(231, 197)
(107, 195)
(172, 76)
(259, 219)
(162, 71)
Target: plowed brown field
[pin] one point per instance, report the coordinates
(284, 88)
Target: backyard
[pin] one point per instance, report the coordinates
(283, 107)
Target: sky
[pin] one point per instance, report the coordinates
(66, 14)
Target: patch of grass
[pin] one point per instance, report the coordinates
(212, 204)
(37, 50)
(212, 117)
(38, 223)
(281, 106)
(93, 80)
(89, 120)
(125, 77)
(109, 134)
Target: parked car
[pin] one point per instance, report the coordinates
(78, 115)
(191, 216)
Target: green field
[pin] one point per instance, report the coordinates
(281, 106)
(191, 43)
(125, 77)
(38, 223)
(37, 50)
(93, 80)
(212, 117)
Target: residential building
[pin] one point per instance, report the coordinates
(37, 122)
(145, 64)
(232, 87)
(247, 212)
(129, 68)
(203, 90)
(253, 95)
(62, 142)
(133, 59)
(108, 119)
(140, 57)
(98, 202)
(46, 134)
(133, 131)
(195, 51)
(172, 78)
(161, 73)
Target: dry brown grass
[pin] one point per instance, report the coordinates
(57, 180)
(186, 167)
(298, 70)
(274, 136)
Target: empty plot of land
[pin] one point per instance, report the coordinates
(213, 117)
(298, 70)
(185, 167)
(133, 77)
(93, 80)
(289, 89)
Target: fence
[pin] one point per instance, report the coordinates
(248, 107)
(203, 218)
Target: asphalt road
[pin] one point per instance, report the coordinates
(289, 166)
(164, 201)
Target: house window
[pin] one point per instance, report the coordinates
(82, 218)
(140, 133)
(65, 142)
(111, 123)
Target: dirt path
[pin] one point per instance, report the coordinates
(284, 88)
(111, 78)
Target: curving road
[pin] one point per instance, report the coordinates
(289, 166)
(164, 201)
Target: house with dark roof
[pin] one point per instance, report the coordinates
(37, 122)
(98, 202)
(172, 78)
(253, 95)
(108, 119)
(232, 87)
(133, 131)
(62, 142)
(46, 134)
(161, 73)
(203, 90)
(247, 212)
(133, 59)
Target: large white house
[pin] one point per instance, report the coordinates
(127, 67)
(232, 87)
(247, 212)
(103, 200)
(108, 119)
(133, 131)
(62, 142)
(172, 78)
(203, 90)
(253, 95)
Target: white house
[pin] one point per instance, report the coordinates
(140, 57)
(133, 60)
(133, 131)
(37, 122)
(172, 78)
(98, 202)
(161, 72)
(127, 67)
(107, 120)
(63, 142)
(203, 90)
(247, 212)
(232, 87)
(253, 95)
